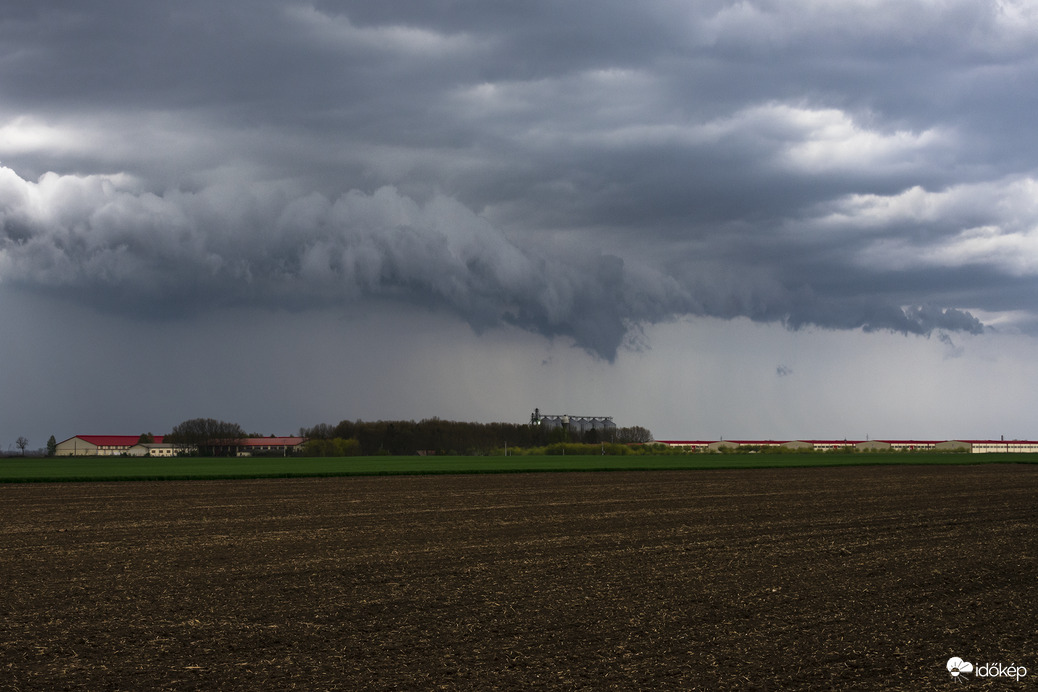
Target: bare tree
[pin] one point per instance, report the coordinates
(22, 442)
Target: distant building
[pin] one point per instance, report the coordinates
(995, 446)
(578, 424)
(269, 446)
(971, 446)
(130, 445)
(687, 445)
(912, 445)
(152, 449)
(103, 446)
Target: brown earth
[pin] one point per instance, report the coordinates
(840, 578)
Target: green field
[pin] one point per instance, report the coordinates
(19, 470)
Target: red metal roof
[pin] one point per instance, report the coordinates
(115, 440)
(273, 441)
(131, 440)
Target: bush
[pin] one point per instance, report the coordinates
(335, 447)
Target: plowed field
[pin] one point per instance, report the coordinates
(829, 578)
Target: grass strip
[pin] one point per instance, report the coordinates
(75, 469)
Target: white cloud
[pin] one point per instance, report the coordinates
(995, 28)
(415, 41)
(991, 223)
(25, 134)
(833, 141)
(824, 140)
(787, 137)
(1014, 253)
(576, 108)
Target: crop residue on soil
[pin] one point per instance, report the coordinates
(842, 578)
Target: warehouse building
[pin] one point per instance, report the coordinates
(130, 445)
(111, 445)
(971, 446)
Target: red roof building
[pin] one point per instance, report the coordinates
(99, 445)
(119, 445)
(973, 446)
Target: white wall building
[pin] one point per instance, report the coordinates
(99, 445)
(972, 446)
(130, 445)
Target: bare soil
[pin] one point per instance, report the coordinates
(864, 578)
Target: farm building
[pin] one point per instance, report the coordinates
(831, 445)
(995, 446)
(269, 446)
(579, 424)
(109, 445)
(912, 445)
(152, 449)
(750, 444)
(130, 445)
(687, 445)
(972, 446)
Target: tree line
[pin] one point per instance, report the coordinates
(436, 436)
(203, 436)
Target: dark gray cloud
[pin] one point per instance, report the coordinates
(576, 170)
(185, 252)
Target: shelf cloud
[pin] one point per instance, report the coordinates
(103, 240)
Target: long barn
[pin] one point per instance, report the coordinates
(112, 445)
(971, 446)
(130, 445)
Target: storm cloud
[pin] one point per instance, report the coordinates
(577, 170)
(102, 240)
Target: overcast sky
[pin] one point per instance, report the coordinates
(788, 219)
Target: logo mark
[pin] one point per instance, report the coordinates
(956, 666)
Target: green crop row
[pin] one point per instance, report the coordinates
(122, 468)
